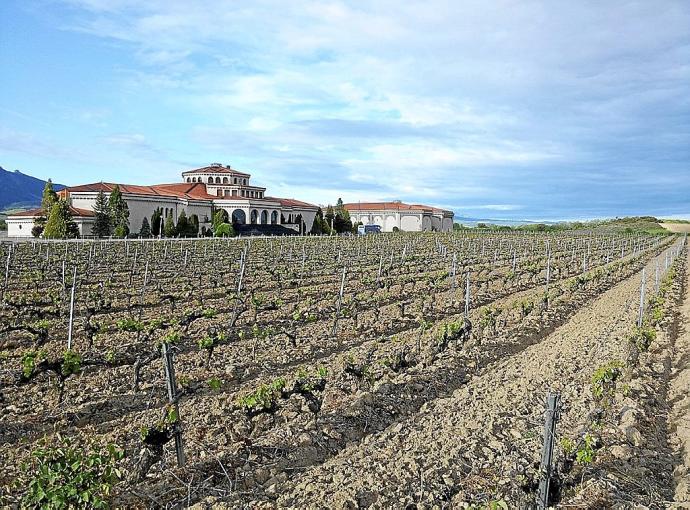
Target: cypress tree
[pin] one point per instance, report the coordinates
(156, 221)
(145, 230)
(48, 199)
(60, 224)
(182, 224)
(119, 211)
(169, 229)
(341, 222)
(341, 211)
(330, 218)
(101, 226)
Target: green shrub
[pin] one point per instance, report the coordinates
(131, 325)
(71, 363)
(172, 337)
(263, 398)
(526, 306)
(604, 379)
(488, 316)
(209, 313)
(585, 454)
(643, 337)
(205, 343)
(567, 445)
(29, 361)
(224, 230)
(63, 473)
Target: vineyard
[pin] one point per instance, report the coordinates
(392, 371)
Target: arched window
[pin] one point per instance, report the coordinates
(210, 180)
(217, 180)
(225, 180)
(238, 216)
(253, 216)
(274, 217)
(188, 179)
(264, 217)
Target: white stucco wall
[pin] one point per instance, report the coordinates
(390, 223)
(141, 206)
(19, 227)
(410, 222)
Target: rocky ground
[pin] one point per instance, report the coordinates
(483, 441)
(403, 416)
(679, 403)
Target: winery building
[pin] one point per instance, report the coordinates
(201, 192)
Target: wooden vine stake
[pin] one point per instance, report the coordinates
(340, 303)
(467, 296)
(550, 420)
(71, 309)
(548, 273)
(143, 289)
(173, 398)
(378, 276)
(453, 275)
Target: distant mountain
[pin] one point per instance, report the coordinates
(18, 190)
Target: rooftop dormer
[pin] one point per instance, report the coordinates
(216, 173)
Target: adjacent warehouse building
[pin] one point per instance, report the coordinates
(397, 215)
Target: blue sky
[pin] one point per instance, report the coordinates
(495, 109)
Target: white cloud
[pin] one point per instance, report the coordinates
(429, 95)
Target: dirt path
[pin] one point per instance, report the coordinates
(676, 227)
(484, 441)
(679, 398)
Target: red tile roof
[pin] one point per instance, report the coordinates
(291, 202)
(385, 206)
(188, 190)
(391, 206)
(74, 211)
(215, 169)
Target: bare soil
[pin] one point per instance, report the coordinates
(678, 228)
(679, 400)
